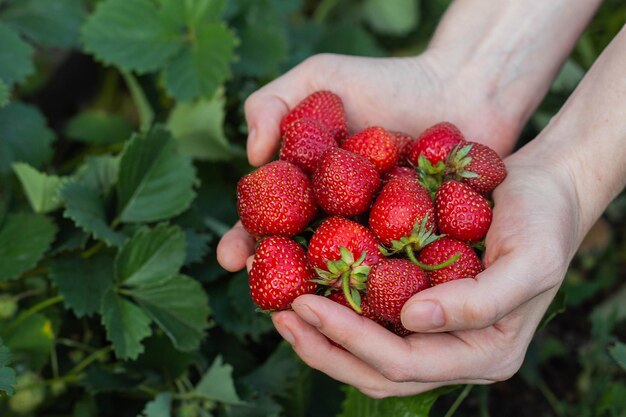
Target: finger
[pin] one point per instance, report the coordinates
(464, 304)
(266, 107)
(316, 351)
(234, 248)
(438, 357)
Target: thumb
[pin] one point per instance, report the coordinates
(266, 107)
(478, 303)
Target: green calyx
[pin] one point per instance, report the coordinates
(348, 274)
(457, 162)
(430, 176)
(420, 236)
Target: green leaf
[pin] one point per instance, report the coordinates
(16, 57)
(98, 128)
(193, 13)
(85, 207)
(202, 65)
(397, 17)
(24, 238)
(126, 325)
(155, 181)
(159, 407)
(4, 94)
(179, 306)
(133, 35)
(198, 129)
(618, 352)
(7, 375)
(357, 404)
(31, 341)
(217, 383)
(349, 39)
(151, 255)
(40, 188)
(263, 49)
(159, 346)
(24, 136)
(83, 282)
(100, 379)
(47, 22)
(99, 173)
(568, 78)
(558, 306)
(197, 246)
(276, 374)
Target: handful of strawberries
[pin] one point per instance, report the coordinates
(367, 220)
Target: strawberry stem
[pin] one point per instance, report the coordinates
(345, 285)
(411, 255)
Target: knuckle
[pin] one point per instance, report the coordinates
(396, 373)
(508, 367)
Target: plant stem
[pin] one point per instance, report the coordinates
(411, 255)
(550, 397)
(459, 400)
(33, 310)
(89, 359)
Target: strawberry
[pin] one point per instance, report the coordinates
(280, 273)
(304, 142)
(476, 165)
(468, 265)
(398, 172)
(404, 143)
(323, 106)
(399, 329)
(376, 145)
(391, 283)
(341, 251)
(344, 183)
(276, 199)
(461, 212)
(403, 215)
(435, 143)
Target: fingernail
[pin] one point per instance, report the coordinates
(286, 334)
(307, 313)
(424, 315)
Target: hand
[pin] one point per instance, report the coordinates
(471, 331)
(403, 94)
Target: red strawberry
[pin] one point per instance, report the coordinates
(477, 165)
(376, 145)
(403, 215)
(304, 142)
(336, 232)
(399, 329)
(462, 213)
(399, 172)
(280, 273)
(344, 183)
(468, 264)
(403, 143)
(323, 106)
(435, 143)
(342, 252)
(276, 199)
(391, 283)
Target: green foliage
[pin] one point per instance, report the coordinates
(122, 137)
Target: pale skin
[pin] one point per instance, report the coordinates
(468, 331)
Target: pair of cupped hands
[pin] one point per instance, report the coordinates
(467, 331)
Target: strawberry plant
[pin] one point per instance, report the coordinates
(122, 139)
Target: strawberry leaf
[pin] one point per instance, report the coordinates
(126, 325)
(357, 404)
(83, 296)
(40, 188)
(47, 22)
(133, 35)
(151, 255)
(16, 57)
(202, 64)
(24, 238)
(217, 383)
(155, 182)
(7, 374)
